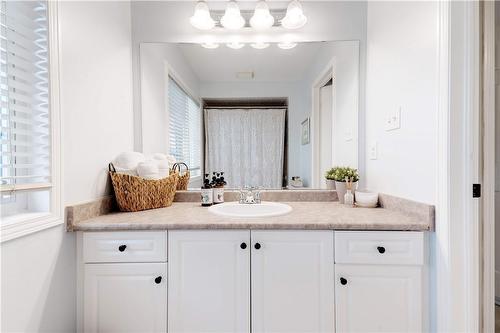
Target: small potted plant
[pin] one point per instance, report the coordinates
(330, 178)
(340, 175)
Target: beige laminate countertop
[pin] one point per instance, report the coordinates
(305, 215)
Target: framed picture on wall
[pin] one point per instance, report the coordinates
(305, 132)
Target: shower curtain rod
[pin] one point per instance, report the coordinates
(245, 107)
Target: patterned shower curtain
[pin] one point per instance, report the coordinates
(247, 144)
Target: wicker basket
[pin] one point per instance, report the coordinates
(183, 182)
(135, 193)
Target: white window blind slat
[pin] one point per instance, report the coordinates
(24, 102)
(184, 127)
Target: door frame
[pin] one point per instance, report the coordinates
(325, 75)
(457, 238)
(488, 161)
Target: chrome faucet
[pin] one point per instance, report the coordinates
(249, 195)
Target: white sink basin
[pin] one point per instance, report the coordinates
(264, 209)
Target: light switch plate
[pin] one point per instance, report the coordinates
(393, 121)
(373, 151)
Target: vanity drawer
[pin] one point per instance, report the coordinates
(379, 247)
(141, 246)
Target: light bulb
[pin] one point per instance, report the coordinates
(232, 18)
(287, 45)
(259, 45)
(210, 45)
(201, 18)
(294, 17)
(261, 18)
(235, 45)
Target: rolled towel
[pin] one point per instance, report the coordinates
(148, 170)
(128, 160)
(159, 156)
(171, 160)
(163, 168)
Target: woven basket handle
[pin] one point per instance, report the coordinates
(111, 167)
(177, 166)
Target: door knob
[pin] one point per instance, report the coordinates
(343, 281)
(243, 245)
(158, 280)
(257, 246)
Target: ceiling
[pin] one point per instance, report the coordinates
(271, 64)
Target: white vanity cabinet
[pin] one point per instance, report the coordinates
(252, 281)
(123, 282)
(286, 276)
(380, 282)
(209, 281)
(292, 281)
(125, 297)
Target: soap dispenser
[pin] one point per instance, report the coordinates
(218, 186)
(206, 193)
(348, 196)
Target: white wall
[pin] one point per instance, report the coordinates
(38, 271)
(344, 56)
(156, 59)
(402, 51)
(402, 71)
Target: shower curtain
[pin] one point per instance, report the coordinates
(247, 144)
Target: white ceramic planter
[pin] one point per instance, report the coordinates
(340, 187)
(330, 184)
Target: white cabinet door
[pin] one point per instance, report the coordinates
(371, 298)
(209, 281)
(292, 281)
(125, 297)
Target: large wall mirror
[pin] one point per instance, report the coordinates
(261, 115)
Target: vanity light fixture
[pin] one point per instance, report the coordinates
(232, 18)
(261, 18)
(201, 18)
(210, 45)
(260, 45)
(235, 45)
(294, 17)
(287, 45)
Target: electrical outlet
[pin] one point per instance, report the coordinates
(393, 121)
(373, 151)
(348, 136)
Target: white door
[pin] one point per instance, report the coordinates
(292, 281)
(209, 281)
(378, 298)
(125, 297)
(325, 131)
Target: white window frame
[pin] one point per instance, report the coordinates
(170, 72)
(24, 224)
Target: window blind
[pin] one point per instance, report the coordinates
(184, 127)
(24, 84)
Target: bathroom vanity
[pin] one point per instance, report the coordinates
(321, 268)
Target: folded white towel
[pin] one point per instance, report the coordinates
(148, 170)
(128, 160)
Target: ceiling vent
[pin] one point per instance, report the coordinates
(245, 75)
